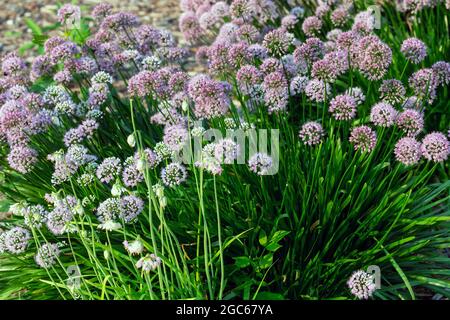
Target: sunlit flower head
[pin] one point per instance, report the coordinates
(361, 284)
(311, 133)
(408, 151)
(435, 147)
(383, 114)
(363, 138)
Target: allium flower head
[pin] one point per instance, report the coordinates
(322, 9)
(278, 42)
(408, 151)
(220, 9)
(343, 107)
(435, 147)
(69, 14)
(298, 85)
(109, 169)
(298, 12)
(119, 21)
(248, 76)
(392, 91)
(64, 52)
(63, 77)
(226, 151)
(149, 263)
(383, 114)
(276, 94)
(411, 122)
(238, 54)
(135, 247)
(311, 133)
(190, 26)
(209, 161)
(163, 150)
(361, 284)
(22, 158)
(109, 210)
(151, 63)
(131, 175)
(248, 33)
(210, 97)
(339, 17)
(175, 137)
(424, 83)
(414, 50)
(363, 138)
(101, 10)
(12, 65)
(174, 174)
(346, 39)
(47, 255)
(242, 9)
(324, 70)
(312, 50)
(59, 218)
(131, 206)
(270, 65)
(317, 90)
(333, 35)
(441, 70)
(288, 22)
(16, 240)
(372, 56)
(311, 26)
(364, 22)
(102, 77)
(260, 163)
(35, 216)
(257, 51)
(86, 179)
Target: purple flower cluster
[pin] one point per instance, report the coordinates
(392, 91)
(372, 57)
(411, 122)
(278, 42)
(173, 174)
(276, 92)
(435, 147)
(109, 169)
(210, 96)
(408, 151)
(424, 84)
(84, 131)
(260, 163)
(414, 50)
(343, 107)
(362, 284)
(131, 207)
(47, 255)
(383, 114)
(317, 90)
(363, 138)
(15, 240)
(311, 133)
(312, 26)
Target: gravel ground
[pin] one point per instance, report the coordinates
(14, 31)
